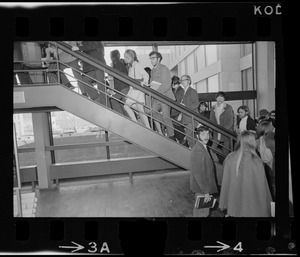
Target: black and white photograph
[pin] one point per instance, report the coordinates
(144, 129)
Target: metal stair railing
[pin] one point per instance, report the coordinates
(195, 117)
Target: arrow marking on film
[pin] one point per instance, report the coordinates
(222, 246)
(77, 247)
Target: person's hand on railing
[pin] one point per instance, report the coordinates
(179, 117)
(75, 48)
(110, 92)
(145, 84)
(237, 130)
(45, 61)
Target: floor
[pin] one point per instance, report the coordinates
(152, 195)
(29, 204)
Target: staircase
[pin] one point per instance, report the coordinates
(72, 102)
(58, 96)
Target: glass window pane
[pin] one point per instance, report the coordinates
(80, 154)
(211, 54)
(24, 128)
(127, 151)
(177, 51)
(68, 129)
(213, 83)
(25, 138)
(166, 54)
(182, 68)
(27, 159)
(249, 79)
(190, 64)
(200, 57)
(201, 86)
(248, 49)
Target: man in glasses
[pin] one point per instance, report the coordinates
(161, 74)
(191, 101)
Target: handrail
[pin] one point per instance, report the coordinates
(147, 90)
(76, 146)
(116, 74)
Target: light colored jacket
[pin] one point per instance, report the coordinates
(226, 120)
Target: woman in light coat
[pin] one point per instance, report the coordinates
(245, 191)
(136, 98)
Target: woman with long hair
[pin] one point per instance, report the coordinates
(245, 191)
(136, 98)
(265, 145)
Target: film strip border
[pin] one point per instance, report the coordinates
(172, 236)
(204, 22)
(158, 22)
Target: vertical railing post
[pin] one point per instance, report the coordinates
(17, 173)
(57, 64)
(107, 146)
(105, 90)
(193, 129)
(151, 112)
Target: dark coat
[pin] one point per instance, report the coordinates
(162, 75)
(270, 143)
(251, 124)
(120, 66)
(178, 95)
(226, 120)
(205, 113)
(94, 49)
(191, 101)
(248, 193)
(202, 179)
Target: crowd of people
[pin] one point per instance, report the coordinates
(248, 182)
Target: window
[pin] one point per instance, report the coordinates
(24, 128)
(182, 68)
(200, 55)
(177, 51)
(190, 64)
(211, 54)
(247, 80)
(213, 83)
(202, 86)
(69, 129)
(25, 138)
(248, 49)
(245, 49)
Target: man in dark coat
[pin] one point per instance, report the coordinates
(96, 50)
(120, 86)
(202, 179)
(178, 92)
(191, 101)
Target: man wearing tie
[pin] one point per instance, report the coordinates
(202, 180)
